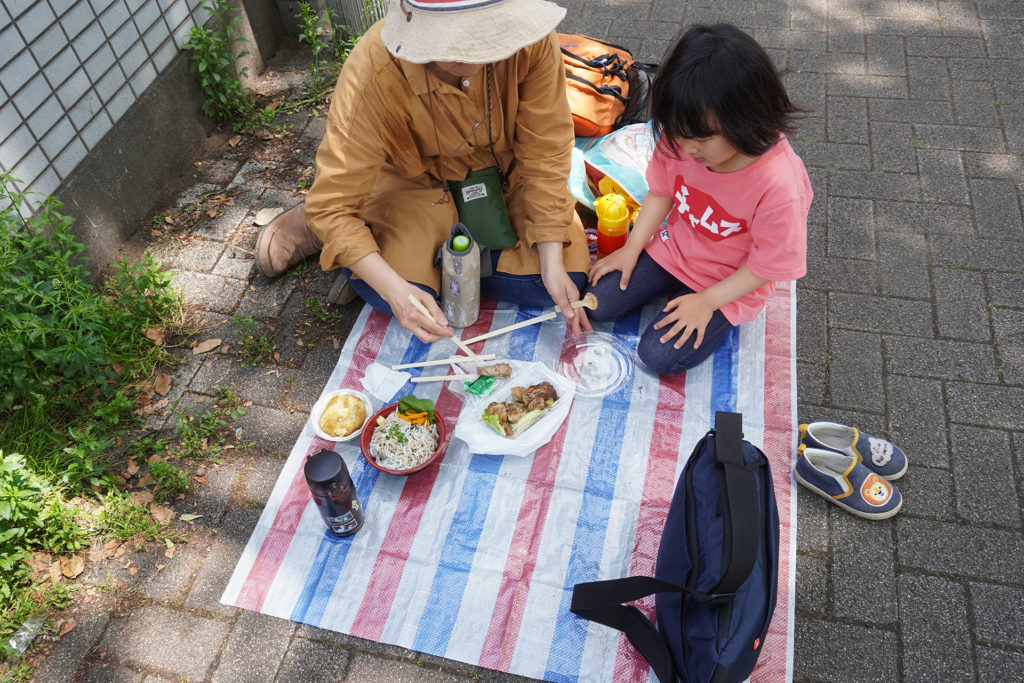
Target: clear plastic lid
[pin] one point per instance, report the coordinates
(598, 362)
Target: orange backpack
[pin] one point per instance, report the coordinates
(599, 79)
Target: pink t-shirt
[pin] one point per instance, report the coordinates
(719, 221)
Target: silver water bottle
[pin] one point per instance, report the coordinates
(460, 277)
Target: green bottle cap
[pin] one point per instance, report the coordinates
(460, 243)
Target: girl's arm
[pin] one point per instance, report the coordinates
(652, 213)
(691, 312)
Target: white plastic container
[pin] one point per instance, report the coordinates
(321, 406)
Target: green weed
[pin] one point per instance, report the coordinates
(316, 311)
(169, 478)
(124, 519)
(259, 348)
(203, 434)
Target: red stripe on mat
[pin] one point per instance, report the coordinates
(282, 531)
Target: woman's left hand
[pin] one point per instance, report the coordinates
(686, 314)
(560, 286)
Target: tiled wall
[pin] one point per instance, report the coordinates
(69, 69)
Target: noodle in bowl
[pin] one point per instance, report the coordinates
(400, 445)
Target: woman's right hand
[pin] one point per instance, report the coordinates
(411, 318)
(622, 260)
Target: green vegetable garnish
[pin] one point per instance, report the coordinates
(395, 434)
(411, 404)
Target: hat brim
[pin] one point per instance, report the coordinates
(474, 36)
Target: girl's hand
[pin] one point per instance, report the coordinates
(426, 329)
(686, 314)
(622, 260)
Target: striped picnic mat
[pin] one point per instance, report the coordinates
(475, 559)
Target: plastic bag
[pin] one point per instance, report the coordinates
(484, 440)
(622, 155)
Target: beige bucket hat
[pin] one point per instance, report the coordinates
(469, 31)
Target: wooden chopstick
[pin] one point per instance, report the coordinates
(458, 342)
(532, 321)
(443, 378)
(442, 361)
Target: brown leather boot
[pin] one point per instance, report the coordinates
(285, 241)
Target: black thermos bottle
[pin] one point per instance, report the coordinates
(333, 492)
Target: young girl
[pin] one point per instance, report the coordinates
(735, 194)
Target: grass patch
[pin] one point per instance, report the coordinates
(259, 348)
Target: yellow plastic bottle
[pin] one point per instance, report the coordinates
(612, 222)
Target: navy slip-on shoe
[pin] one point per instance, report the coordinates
(844, 481)
(878, 455)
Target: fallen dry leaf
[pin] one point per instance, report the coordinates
(235, 140)
(212, 213)
(132, 468)
(155, 335)
(144, 399)
(144, 480)
(54, 570)
(72, 566)
(142, 498)
(160, 566)
(120, 550)
(67, 628)
(162, 383)
(169, 219)
(169, 552)
(208, 345)
(133, 571)
(189, 517)
(155, 233)
(161, 513)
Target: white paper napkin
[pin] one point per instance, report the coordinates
(382, 381)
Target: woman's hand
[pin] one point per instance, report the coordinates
(426, 329)
(622, 260)
(560, 286)
(686, 314)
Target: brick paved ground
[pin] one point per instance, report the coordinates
(911, 324)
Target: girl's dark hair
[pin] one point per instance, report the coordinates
(718, 80)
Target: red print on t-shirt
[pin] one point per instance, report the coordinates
(704, 214)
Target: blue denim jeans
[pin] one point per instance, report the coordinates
(522, 290)
(648, 282)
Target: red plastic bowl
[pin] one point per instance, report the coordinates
(371, 426)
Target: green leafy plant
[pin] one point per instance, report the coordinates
(169, 478)
(259, 348)
(317, 36)
(316, 310)
(124, 519)
(202, 434)
(215, 61)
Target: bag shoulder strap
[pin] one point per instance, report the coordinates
(741, 495)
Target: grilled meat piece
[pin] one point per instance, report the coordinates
(515, 412)
(496, 370)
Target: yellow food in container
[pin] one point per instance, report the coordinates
(343, 415)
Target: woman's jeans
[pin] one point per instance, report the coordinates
(522, 290)
(648, 282)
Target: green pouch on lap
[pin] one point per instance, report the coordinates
(481, 206)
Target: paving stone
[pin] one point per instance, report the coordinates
(974, 103)
(199, 256)
(812, 592)
(910, 111)
(903, 265)
(210, 292)
(892, 149)
(960, 550)
(313, 374)
(939, 358)
(812, 533)
(942, 176)
(259, 476)
(264, 384)
(873, 184)
(213, 325)
(917, 416)
(863, 576)
(927, 492)
(220, 562)
(69, 651)
(806, 88)
(869, 652)
(936, 646)
(999, 665)
(924, 218)
(983, 472)
(960, 302)
(841, 274)
(856, 371)
(171, 582)
(997, 212)
(188, 644)
(811, 382)
(254, 633)
(212, 499)
(987, 405)
(984, 69)
(817, 234)
(309, 660)
(983, 165)
(847, 119)
(999, 613)
(973, 138)
(263, 297)
(366, 668)
(235, 262)
(827, 62)
(886, 55)
(274, 431)
(878, 314)
(108, 673)
(833, 155)
(978, 254)
(928, 79)
(867, 86)
(851, 228)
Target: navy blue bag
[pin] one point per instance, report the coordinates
(717, 569)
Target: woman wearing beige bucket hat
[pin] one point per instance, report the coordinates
(434, 91)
